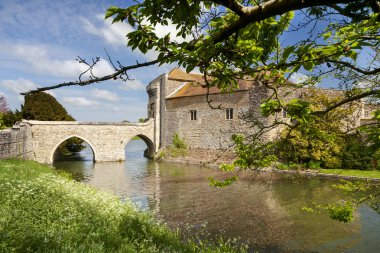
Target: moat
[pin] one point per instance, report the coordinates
(262, 211)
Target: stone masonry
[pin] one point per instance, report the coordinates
(16, 142)
(107, 140)
(175, 96)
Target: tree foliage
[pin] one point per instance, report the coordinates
(44, 107)
(318, 140)
(4, 108)
(268, 41)
(11, 117)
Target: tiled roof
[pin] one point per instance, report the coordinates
(180, 75)
(195, 84)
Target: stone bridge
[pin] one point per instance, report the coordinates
(107, 140)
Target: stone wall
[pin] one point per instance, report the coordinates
(154, 107)
(211, 129)
(16, 142)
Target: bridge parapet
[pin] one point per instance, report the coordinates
(38, 122)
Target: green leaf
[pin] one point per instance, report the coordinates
(287, 52)
(308, 65)
(111, 11)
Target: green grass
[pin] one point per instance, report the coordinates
(356, 173)
(43, 211)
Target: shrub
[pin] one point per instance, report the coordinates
(178, 142)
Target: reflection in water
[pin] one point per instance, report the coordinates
(264, 213)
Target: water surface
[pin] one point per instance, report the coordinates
(263, 211)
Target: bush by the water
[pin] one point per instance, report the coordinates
(41, 211)
(178, 142)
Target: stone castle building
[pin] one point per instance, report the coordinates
(205, 118)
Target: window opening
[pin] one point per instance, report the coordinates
(229, 113)
(284, 113)
(193, 114)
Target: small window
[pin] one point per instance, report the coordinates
(284, 113)
(193, 114)
(229, 113)
(367, 113)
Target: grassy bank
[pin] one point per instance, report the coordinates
(45, 212)
(354, 173)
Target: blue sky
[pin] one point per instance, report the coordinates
(39, 42)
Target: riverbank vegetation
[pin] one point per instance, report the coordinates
(177, 149)
(353, 173)
(43, 211)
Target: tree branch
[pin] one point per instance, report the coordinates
(94, 80)
(375, 5)
(268, 9)
(347, 100)
(233, 6)
(347, 13)
(349, 65)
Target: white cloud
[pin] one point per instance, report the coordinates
(113, 34)
(101, 68)
(79, 101)
(37, 59)
(161, 31)
(132, 85)
(104, 94)
(51, 93)
(19, 85)
(298, 78)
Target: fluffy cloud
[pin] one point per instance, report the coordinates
(132, 85)
(104, 94)
(113, 34)
(79, 101)
(298, 78)
(19, 85)
(37, 59)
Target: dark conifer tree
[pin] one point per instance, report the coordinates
(44, 107)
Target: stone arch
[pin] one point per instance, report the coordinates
(149, 152)
(51, 157)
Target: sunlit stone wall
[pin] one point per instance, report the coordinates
(16, 142)
(211, 129)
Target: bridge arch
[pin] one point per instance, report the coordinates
(51, 157)
(149, 152)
